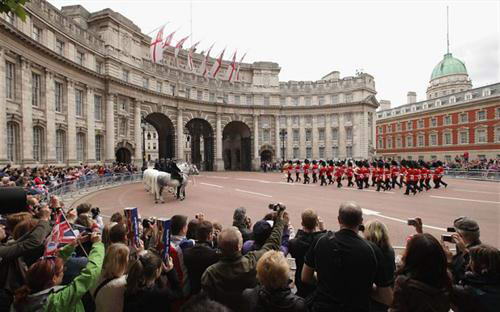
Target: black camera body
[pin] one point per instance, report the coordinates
(277, 206)
(95, 212)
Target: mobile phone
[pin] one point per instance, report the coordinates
(412, 222)
(447, 238)
(451, 229)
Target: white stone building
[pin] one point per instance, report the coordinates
(75, 87)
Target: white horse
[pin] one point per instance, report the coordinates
(155, 181)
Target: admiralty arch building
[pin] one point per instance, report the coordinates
(79, 87)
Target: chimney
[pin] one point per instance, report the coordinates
(412, 97)
(385, 104)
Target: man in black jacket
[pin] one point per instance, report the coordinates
(299, 246)
(198, 258)
(243, 223)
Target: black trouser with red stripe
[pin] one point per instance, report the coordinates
(330, 180)
(339, 181)
(410, 187)
(315, 177)
(297, 177)
(323, 179)
(380, 185)
(306, 178)
(366, 179)
(349, 179)
(359, 182)
(395, 182)
(388, 184)
(289, 178)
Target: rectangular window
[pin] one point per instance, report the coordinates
(172, 89)
(389, 143)
(398, 143)
(266, 135)
(98, 107)
(296, 101)
(321, 134)
(199, 96)
(308, 135)
(464, 137)
(481, 136)
(335, 151)
(463, 118)
(321, 152)
(145, 82)
(433, 139)
(409, 125)
(123, 126)
(398, 126)
(266, 100)
(348, 133)
(409, 141)
(433, 122)
(308, 120)
(80, 56)
(420, 140)
(10, 80)
(79, 102)
(188, 93)
(348, 151)
(249, 100)
(159, 86)
(447, 120)
(308, 152)
(12, 141)
(295, 120)
(37, 33)
(295, 135)
(98, 147)
(98, 67)
(308, 100)
(321, 100)
(420, 124)
(211, 97)
(35, 89)
(58, 96)
(123, 105)
(59, 47)
(335, 134)
(481, 115)
(295, 152)
(335, 99)
(125, 75)
(80, 147)
(37, 144)
(447, 138)
(60, 145)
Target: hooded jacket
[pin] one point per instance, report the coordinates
(477, 292)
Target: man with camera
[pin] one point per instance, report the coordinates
(348, 268)
(225, 280)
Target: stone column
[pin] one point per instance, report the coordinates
(180, 135)
(289, 139)
(138, 134)
(342, 137)
(279, 144)
(90, 126)
(219, 161)
(71, 118)
(50, 113)
(302, 138)
(110, 128)
(315, 139)
(27, 113)
(256, 160)
(3, 110)
(328, 137)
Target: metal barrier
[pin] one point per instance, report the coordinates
(473, 174)
(91, 183)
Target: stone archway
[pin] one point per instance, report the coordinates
(202, 143)
(166, 134)
(123, 155)
(237, 146)
(266, 153)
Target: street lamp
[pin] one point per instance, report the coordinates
(143, 127)
(283, 134)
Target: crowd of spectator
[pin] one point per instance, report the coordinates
(243, 267)
(476, 164)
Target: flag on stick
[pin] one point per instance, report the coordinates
(156, 47)
(190, 56)
(231, 70)
(238, 68)
(178, 46)
(203, 70)
(217, 65)
(62, 233)
(168, 40)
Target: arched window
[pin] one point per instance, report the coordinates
(60, 145)
(38, 144)
(80, 146)
(98, 147)
(12, 141)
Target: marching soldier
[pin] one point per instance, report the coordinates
(322, 173)
(366, 174)
(358, 175)
(339, 172)
(349, 173)
(306, 171)
(427, 177)
(315, 171)
(329, 172)
(297, 171)
(289, 170)
(378, 175)
(395, 174)
(438, 175)
(409, 180)
(387, 176)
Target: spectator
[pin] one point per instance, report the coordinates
(198, 258)
(347, 267)
(480, 288)
(273, 294)
(178, 229)
(377, 233)
(225, 280)
(118, 234)
(203, 303)
(243, 223)
(117, 217)
(41, 291)
(191, 229)
(312, 228)
(146, 290)
(261, 231)
(422, 283)
(110, 286)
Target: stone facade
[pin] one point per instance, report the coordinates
(77, 87)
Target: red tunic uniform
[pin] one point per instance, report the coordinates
(416, 175)
(323, 170)
(297, 168)
(349, 172)
(387, 174)
(438, 172)
(339, 172)
(306, 168)
(366, 172)
(394, 171)
(315, 168)
(379, 173)
(329, 172)
(409, 175)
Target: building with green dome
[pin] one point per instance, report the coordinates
(448, 76)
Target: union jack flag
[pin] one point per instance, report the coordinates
(62, 233)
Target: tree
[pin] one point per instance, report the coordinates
(14, 7)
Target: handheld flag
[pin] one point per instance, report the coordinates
(62, 233)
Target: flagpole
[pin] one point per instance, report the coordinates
(156, 28)
(71, 228)
(191, 20)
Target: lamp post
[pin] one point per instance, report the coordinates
(143, 127)
(283, 134)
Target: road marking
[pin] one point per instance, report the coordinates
(467, 199)
(216, 177)
(369, 212)
(464, 190)
(214, 185)
(254, 193)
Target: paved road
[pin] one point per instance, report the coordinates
(217, 194)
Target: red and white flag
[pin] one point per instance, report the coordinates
(217, 65)
(231, 70)
(203, 70)
(238, 68)
(157, 47)
(178, 46)
(190, 56)
(168, 40)
(62, 233)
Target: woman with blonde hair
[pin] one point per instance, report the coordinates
(273, 293)
(376, 232)
(109, 289)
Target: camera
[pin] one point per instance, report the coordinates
(447, 238)
(450, 229)
(146, 223)
(95, 212)
(412, 222)
(277, 206)
(361, 228)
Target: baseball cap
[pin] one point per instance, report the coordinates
(466, 224)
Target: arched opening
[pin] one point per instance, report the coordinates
(123, 155)
(237, 146)
(266, 156)
(166, 134)
(201, 143)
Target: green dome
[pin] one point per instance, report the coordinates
(448, 66)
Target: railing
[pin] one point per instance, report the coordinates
(473, 174)
(92, 183)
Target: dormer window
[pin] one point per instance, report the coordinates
(452, 99)
(486, 92)
(468, 96)
(438, 102)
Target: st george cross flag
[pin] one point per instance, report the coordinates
(238, 69)
(178, 46)
(157, 47)
(61, 234)
(168, 39)
(231, 70)
(190, 56)
(217, 65)
(203, 70)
